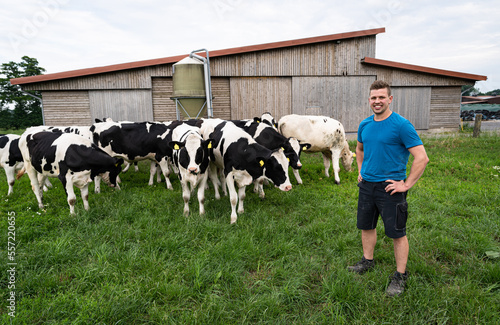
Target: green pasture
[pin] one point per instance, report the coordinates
(133, 258)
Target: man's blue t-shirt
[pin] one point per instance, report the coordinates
(385, 145)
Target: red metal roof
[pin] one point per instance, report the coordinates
(404, 66)
(174, 59)
(246, 49)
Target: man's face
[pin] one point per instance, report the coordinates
(379, 102)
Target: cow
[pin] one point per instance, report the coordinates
(74, 159)
(191, 159)
(135, 141)
(83, 131)
(266, 135)
(243, 161)
(11, 159)
(325, 135)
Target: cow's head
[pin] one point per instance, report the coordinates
(293, 148)
(192, 154)
(276, 169)
(114, 171)
(346, 157)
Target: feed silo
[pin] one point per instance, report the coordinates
(192, 91)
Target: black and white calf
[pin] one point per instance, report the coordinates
(324, 135)
(266, 135)
(135, 141)
(11, 159)
(74, 159)
(243, 161)
(191, 157)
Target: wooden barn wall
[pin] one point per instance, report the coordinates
(329, 58)
(399, 77)
(127, 79)
(124, 105)
(253, 96)
(342, 98)
(413, 103)
(164, 107)
(66, 108)
(445, 107)
(221, 92)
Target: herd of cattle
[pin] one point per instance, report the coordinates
(229, 153)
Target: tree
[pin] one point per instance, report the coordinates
(17, 109)
(470, 91)
(495, 92)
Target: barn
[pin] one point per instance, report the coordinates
(325, 75)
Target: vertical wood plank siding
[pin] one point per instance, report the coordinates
(327, 58)
(413, 103)
(253, 96)
(66, 108)
(164, 107)
(342, 98)
(445, 107)
(121, 105)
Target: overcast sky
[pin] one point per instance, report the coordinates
(65, 35)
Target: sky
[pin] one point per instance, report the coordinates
(64, 35)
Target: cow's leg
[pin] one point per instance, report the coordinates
(166, 172)
(152, 172)
(259, 188)
(84, 191)
(241, 197)
(233, 197)
(201, 193)
(326, 162)
(70, 192)
(186, 195)
(212, 174)
(41, 183)
(336, 166)
(127, 166)
(46, 184)
(223, 182)
(297, 176)
(35, 185)
(97, 185)
(10, 172)
(158, 173)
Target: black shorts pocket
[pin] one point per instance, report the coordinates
(401, 215)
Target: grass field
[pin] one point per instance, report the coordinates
(133, 258)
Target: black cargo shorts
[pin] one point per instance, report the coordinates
(373, 201)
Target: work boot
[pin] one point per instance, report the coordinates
(397, 285)
(362, 266)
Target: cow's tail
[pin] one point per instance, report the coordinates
(20, 173)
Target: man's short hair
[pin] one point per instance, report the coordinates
(380, 84)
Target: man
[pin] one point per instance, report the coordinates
(385, 141)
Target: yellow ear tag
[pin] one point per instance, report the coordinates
(261, 163)
(176, 147)
(304, 148)
(117, 164)
(288, 159)
(354, 155)
(282, 148)
(210, 145)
